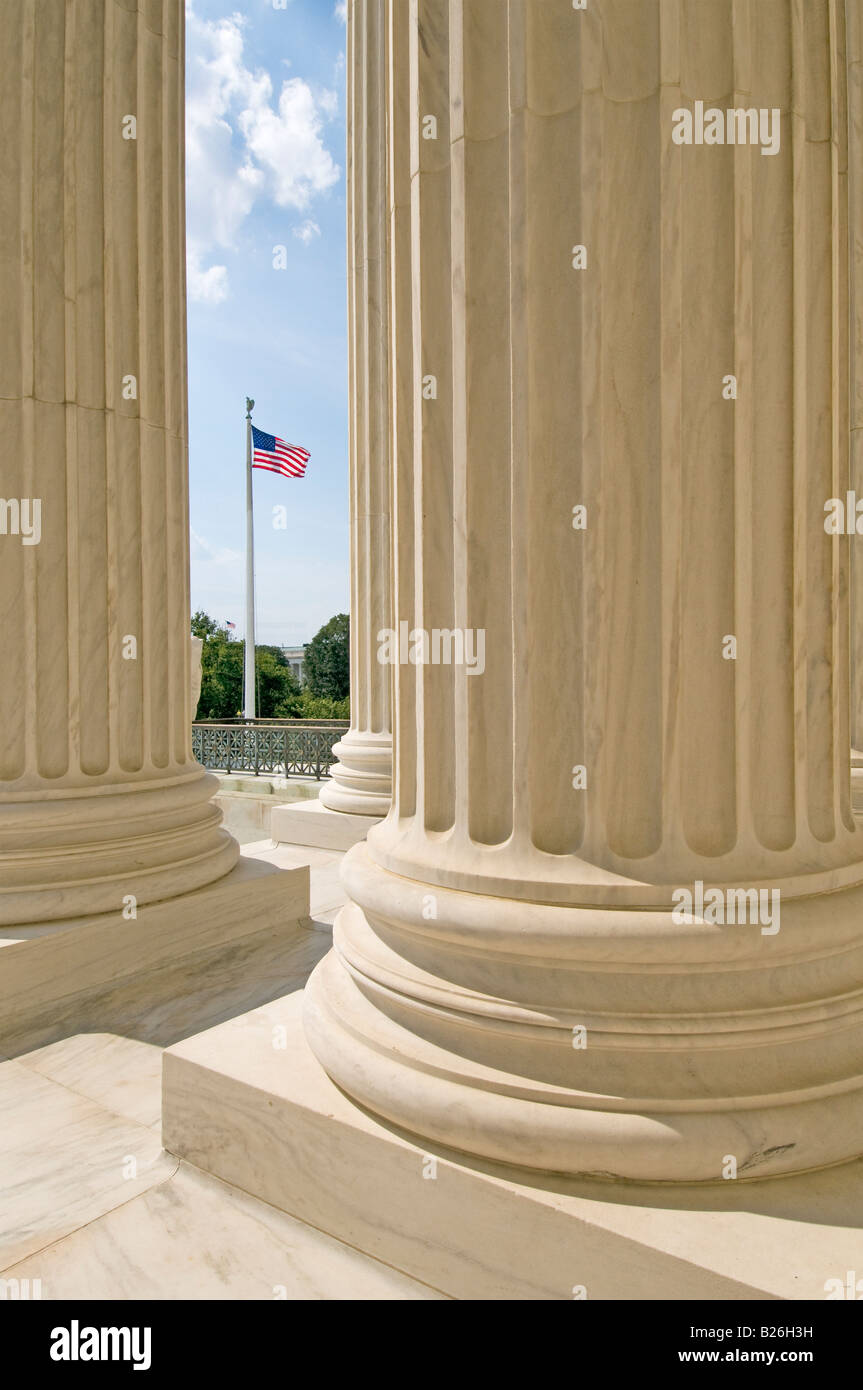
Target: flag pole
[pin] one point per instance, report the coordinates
(249, 657)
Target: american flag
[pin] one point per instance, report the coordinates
(278, 457)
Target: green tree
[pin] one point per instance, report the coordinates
(278, 690)
(322, 707)
(221, 670)
(205, 626)
(327, 665)
(277, 686)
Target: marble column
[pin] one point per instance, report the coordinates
(101, 800)
(854, 43)
(361, 781)
(664, 697)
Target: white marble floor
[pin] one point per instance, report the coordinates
(93, 1207)
(193, 1237)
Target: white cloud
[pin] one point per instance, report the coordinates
(307, 231)
(243, 146)
(329, 102)
(341, 11)
(284, 146)
(205, 286)
(221, 556)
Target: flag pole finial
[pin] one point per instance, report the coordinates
(250, 405)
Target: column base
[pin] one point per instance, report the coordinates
(594, 1042)
(71, 854)
(252, 1115)
(313, 824)
(361, 782)
(48, 971)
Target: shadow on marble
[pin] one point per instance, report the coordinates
(326, 890)
(166, 1005)
(324, 921)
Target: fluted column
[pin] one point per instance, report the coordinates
(361, 781)
(664, 700)
(854, 44)
(101, 799)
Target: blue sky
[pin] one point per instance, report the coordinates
(265, 142)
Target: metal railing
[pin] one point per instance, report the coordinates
(284, 747)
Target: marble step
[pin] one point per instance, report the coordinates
(311, 823)
(52, 971)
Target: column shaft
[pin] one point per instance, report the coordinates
(664, 696)
(361, 781)
(100, 796)
(854, 44)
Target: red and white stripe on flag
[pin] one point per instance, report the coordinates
(276, 456)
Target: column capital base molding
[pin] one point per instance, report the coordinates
(517, 871)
